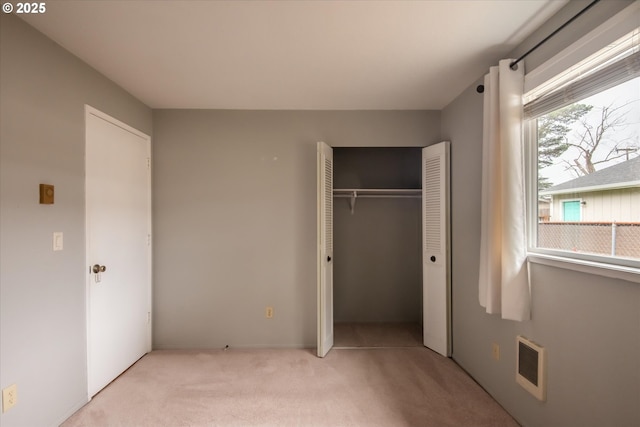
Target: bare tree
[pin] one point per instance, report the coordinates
(600, 138)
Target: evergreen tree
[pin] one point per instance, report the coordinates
(553, 141)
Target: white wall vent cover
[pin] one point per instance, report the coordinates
(531, 368)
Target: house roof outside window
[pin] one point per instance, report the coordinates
(622, 175)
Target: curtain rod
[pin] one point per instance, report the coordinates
(543, 41)
(480, 88)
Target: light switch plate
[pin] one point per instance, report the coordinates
(58, 242)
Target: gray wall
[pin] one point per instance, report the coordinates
(42, 294)
(235, 231)
(377, 266)
(235, 218)
(590, 325)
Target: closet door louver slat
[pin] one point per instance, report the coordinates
(328, 204)
(432, 205)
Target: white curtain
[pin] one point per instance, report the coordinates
(504, 280)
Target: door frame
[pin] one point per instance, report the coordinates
(89, 110)
(320, 255)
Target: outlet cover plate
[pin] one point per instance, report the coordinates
(496, 352)
(9, 397)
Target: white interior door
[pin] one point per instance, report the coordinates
(118, 215)
(325, 248)
(436, 287)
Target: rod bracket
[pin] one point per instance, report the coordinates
(352, 201)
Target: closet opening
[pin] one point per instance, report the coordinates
(377, 247)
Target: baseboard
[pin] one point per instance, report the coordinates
(69, 412)
(457, 362)
(238, 347)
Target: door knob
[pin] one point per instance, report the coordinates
(97, 268)
(433, 258)
(328, 259)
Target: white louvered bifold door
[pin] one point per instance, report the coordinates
(436, 288)
(325, 249)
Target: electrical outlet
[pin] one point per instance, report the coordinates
(9, 397)
(496, 352)
(268, 312)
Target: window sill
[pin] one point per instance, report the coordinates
(630, 274)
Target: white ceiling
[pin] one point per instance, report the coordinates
(293, 54)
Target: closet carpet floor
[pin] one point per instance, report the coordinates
(348, 335)
(292, 387)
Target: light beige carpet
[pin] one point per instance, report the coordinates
(288, 387)
(348, 335)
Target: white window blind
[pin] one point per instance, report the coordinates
(609, 67)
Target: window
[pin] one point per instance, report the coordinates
(583, 132)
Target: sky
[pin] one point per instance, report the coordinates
(629, 133)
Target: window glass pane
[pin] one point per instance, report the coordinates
(589, 174)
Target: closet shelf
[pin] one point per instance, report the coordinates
(354, 193)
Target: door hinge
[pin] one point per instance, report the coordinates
(148, 163)
(148, 239)
(148, 317)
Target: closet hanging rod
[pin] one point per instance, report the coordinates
(353, 194)
(378, 196)
(377, 192)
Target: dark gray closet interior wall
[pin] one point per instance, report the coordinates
(377, 249)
